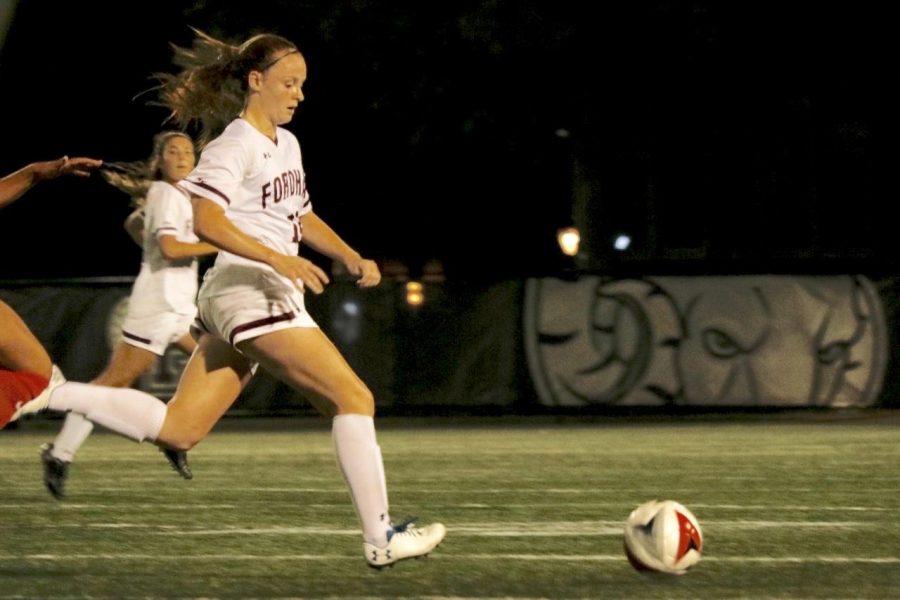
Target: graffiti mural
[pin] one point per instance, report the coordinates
(706, 341)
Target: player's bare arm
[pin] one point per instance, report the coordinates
(134, 226)
(211, 225)
(173, 249)
(319, 236)
(15, 184)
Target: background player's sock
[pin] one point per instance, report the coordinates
(74, 432)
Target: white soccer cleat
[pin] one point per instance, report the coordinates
(405, 541)
(42, 400)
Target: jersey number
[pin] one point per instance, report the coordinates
(298, 227)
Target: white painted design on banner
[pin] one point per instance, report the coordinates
(706, 341)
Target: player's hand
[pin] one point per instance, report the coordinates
(79, 166)
(366, 272)
(297, 268)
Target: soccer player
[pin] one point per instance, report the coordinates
(250, 200)
(163, 300)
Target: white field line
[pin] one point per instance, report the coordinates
(880, 560)
(20, 597)
(770, 508)
(118, 597)
(481, 530)
(599, 491)
(156, 507)
(774, 508)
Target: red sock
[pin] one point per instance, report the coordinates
(17, 388)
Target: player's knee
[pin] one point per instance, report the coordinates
(180, 437)
(183, 442)
(361, 402)
(115, 380)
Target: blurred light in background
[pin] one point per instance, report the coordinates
(622, 242)
(415, 293)
(350, 308)
(569, 239)
(347, 321)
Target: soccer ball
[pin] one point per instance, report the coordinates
(663, 536)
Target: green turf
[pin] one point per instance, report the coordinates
(788, 510)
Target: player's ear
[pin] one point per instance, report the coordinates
(254, 80)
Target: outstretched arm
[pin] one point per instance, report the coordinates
(14, 185)
(319, 236)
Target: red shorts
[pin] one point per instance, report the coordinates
(17, 388)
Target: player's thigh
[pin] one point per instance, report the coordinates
(126, 364)
(19, 349)
(305, 359)
(212, 380)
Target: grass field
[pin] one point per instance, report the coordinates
(790, 508)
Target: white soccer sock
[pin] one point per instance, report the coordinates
(128, 412)
(380, 463)
(73, 434)
(360, 459)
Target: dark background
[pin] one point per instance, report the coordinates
(747, 137)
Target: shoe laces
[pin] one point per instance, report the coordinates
(404, 527)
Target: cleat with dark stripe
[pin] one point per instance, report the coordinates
(56, 472)
(178, 461)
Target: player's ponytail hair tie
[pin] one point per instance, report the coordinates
(210, 88)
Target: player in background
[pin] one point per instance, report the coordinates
(250, 200)
(162, 305)
(28, 377)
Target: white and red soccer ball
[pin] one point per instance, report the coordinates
(663, 536)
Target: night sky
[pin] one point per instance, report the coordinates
(748, 135)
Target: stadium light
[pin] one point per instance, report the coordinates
(622, 242)
(569, 239)
(415, 293)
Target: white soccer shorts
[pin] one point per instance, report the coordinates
(239, 303)
(155, 332)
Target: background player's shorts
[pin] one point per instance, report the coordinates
(155, 332)
(238, 303)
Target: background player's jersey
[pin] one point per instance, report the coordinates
(164, 285)
(260, 184)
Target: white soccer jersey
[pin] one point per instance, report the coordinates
(259, 182)
(164, 285)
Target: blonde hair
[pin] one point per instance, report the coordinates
(134, 178)
(211, 87)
